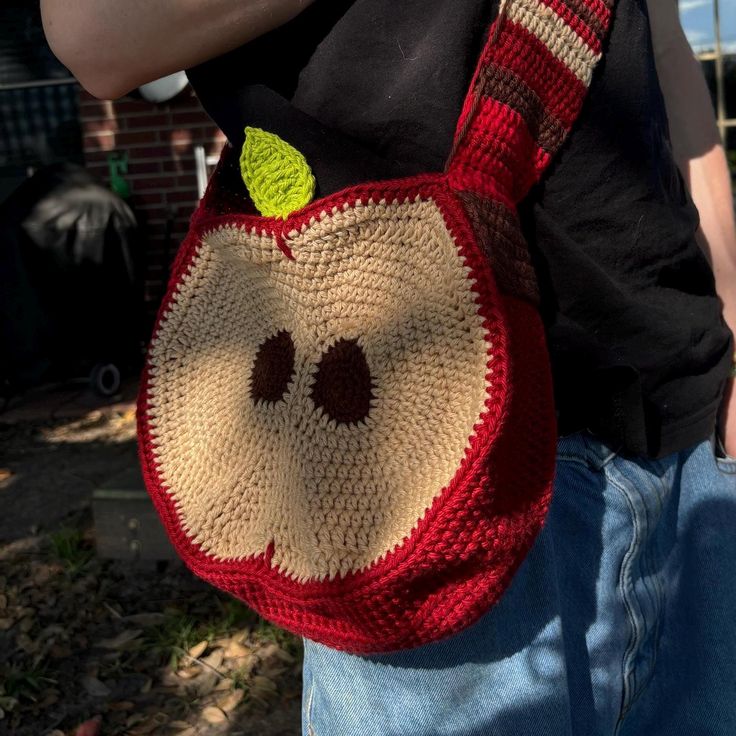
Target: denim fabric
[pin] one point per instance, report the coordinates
(621, 620)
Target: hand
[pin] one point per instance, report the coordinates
(727, 419)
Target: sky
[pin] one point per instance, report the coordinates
(697, 20)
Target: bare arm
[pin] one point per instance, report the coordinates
(699, 153)
(113, 46)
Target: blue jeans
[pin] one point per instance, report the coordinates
(621, 620)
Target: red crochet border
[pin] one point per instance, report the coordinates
(330, 602)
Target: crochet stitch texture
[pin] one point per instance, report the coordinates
(346, 417)
(276, 174)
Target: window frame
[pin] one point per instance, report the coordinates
(718, 56)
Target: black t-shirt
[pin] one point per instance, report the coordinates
(372, 89)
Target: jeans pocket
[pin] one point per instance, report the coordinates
(726, 463)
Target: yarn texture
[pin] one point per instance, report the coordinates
(346, 417)
(276, 175)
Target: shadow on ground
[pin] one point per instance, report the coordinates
(124, 649)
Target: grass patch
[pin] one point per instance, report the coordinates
(266, 631)
(180, 631)
(70, 548)
(232, 615)
(175, 633)
(23, 684)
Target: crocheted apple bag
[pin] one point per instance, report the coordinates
(346, 416)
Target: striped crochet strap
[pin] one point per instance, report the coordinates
(525, 96)
(526, 93)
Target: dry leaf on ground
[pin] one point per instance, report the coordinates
(95, 687)
(152, 724)
(91, 727)
(263, 686)
(124, 640)
(235, 649)
(214, 660)
(231, 701)
(180, 724)
(205, 683)
(122, 705)
(198, 649)
(145, 619)
(213, 714)
(187, 673)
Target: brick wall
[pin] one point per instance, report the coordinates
(159, 141)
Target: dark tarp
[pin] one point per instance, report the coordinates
(70, 293)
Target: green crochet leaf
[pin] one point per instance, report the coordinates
(278, 177)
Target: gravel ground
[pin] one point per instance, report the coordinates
(91, 646)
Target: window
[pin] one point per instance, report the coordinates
(710, 26)
(39, 120)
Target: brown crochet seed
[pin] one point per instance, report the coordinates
(273, 368)
(342, 385)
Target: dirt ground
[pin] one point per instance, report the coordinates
(91, 646)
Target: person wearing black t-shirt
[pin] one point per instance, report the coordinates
(620, 620)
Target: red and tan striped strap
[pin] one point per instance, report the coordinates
(527, 92)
